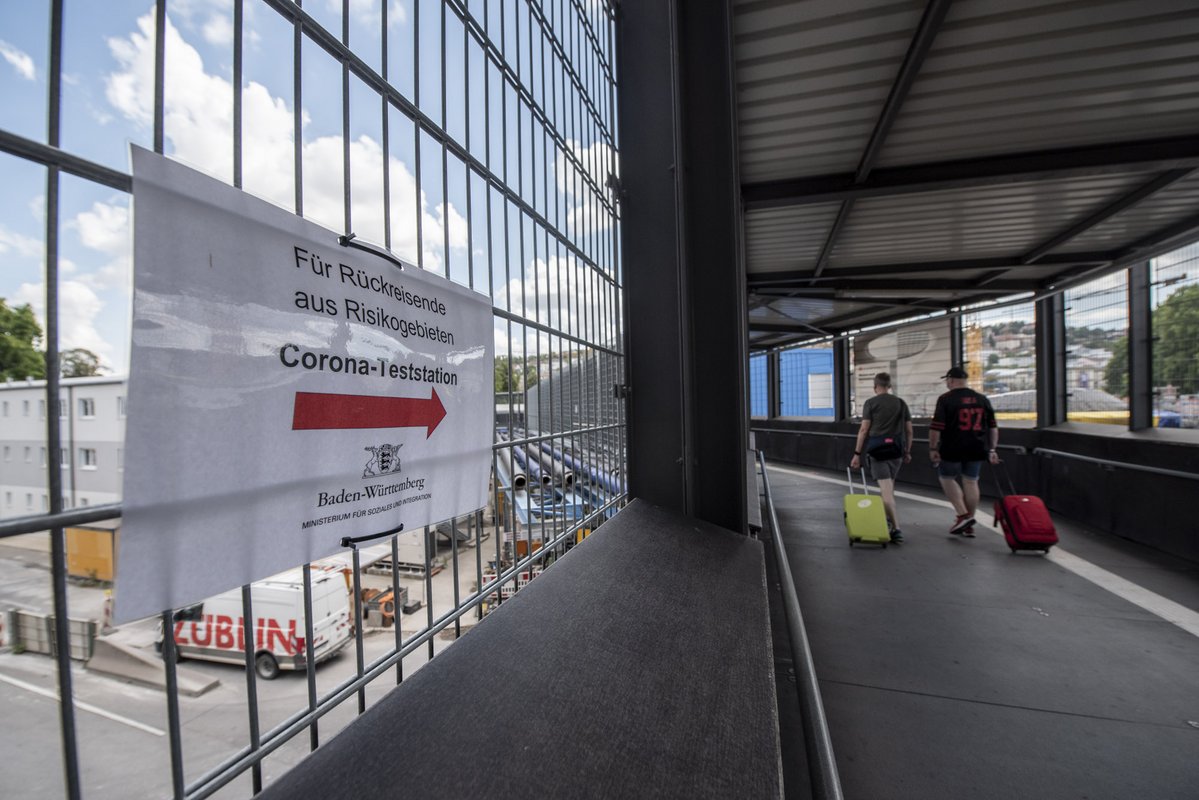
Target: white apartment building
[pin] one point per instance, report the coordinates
(91, 413)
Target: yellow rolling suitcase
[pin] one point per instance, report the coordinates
(865, 519)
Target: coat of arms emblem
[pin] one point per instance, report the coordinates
(384, 460)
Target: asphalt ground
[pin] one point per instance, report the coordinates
(121, 726)
(951, 668)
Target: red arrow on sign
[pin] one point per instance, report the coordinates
(315, 411)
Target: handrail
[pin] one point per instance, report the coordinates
(1173, 473)
(1019, 449)
(826, 783)
(36, 523)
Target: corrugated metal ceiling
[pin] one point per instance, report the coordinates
(1008, 144)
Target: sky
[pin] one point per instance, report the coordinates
(107, 104)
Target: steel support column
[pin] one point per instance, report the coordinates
(841, 378)
(1140, 349)
(957, 342)
(684, 282)
(1051, 360)
(774, 400)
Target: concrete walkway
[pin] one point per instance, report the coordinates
(951, 668)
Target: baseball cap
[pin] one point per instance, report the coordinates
(955, 372)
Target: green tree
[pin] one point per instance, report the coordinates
(516, 376)
(79, 363)
(20, 338)
(1176, 341)
(1175, 349)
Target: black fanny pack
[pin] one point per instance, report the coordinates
(887, 449)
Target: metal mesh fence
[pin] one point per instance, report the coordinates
(1174, 298)
(1000, 347)
(1097, 351)
(476, 139)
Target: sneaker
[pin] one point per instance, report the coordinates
(969, 531)
(963, 523)
(896, 536)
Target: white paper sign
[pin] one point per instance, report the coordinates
(285, 391)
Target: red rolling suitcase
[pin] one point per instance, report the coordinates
(1023, 518)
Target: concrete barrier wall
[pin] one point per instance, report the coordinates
(35, 633)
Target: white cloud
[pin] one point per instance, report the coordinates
(218, 30)
(78, 307)
(105, 229)
(553, 292)
(587, 215)
(199, 128)
(19, 59)
(368, 13)
(19, 244)
(396, 15)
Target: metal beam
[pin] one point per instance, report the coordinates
(928, 285)
(1163, 239)
(1154, 155)
(783, 279)
(50, 156)
(922, 42)
(766, 300)
(1105, 213)
(834, 233)
(1155, 244)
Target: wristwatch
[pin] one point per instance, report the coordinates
(857, 452)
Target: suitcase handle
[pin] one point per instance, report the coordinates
(998, 468)
(849, 477)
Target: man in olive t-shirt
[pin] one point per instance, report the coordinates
(887, 431)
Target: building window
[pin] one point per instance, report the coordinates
(45, 503)
(6, 408)
(29, 501)
(82, 502)
(43, 457)
(87, 457)
(28, 455)
(121, 405)
(87, 408)
(25, 408)
(62, 409)
(41, 408)
(64, 460)
(8, 499)
(7, 453)
(820, 391)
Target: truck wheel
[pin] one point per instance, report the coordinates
(266, 666)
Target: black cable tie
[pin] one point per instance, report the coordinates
(351, 541)
(347, 240)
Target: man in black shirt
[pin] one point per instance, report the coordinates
(962, 435)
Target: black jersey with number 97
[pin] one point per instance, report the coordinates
(963, 416)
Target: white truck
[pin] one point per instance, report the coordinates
(213, 630)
